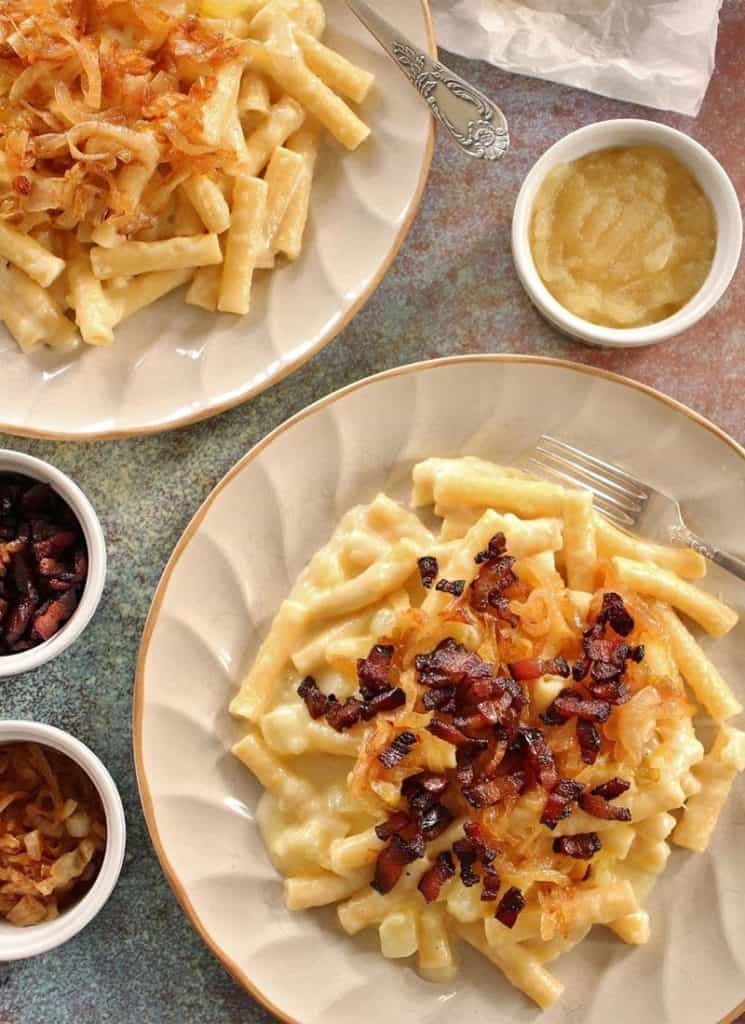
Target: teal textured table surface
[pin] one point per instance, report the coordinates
(451, 290)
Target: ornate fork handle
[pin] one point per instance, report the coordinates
(477, 125)
(729, 562)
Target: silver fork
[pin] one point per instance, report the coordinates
(625, 500)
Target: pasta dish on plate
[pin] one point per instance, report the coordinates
(484, 732)
(147, 144)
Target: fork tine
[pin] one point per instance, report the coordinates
(620, 477)
(629, 499)
(605, 504)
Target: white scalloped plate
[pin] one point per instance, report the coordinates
(173, 364)
(217, 596)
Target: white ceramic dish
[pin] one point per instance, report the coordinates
(711, 177)
(173, 364)
(20, 943)
(25, 661)
(218, 596)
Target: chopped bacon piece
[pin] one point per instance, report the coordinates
(503, 787)
(433, 880)
(451, 663)
(510, 906)
(496, 547)
(580, 668)
(343, 716)
(599, 807)
(53, 546)
(467, 856)
(612, 788)
(18, 619)
(428, 570)
(479, 841)
(490, 884)
(434, 821)
(424, 788)
(570, 704)
(393, 859)
(533, 668)
(582, 845)
(559, 803)
(315, 701)
(540, 758)
(440, 698)
(637, 653)
(372, 671)
(451, 734)
(465, 770)
(454, 587)
(588, 737)
(615, 614)
(613, 690)
(500, 607)
(396, 823)
(51, 616)
(494, 577)
(397, 750)
(388, 700)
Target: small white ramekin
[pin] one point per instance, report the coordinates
(20, 943)
(710, 175)
(24, 661)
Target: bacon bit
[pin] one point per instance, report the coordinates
(21, 185)
(396, 823)
(580, 668)
(582, 845)
(450, 664)
(465, 771)
(440, 698)
(454, 587)
(315, 701)
(496, 547)
(559, 803)
(372, 671)
(614, 691)
(343, 716)
(588, 737)
(540, 758)
(393, 859)
(448, 732)
(510, 907)
(500, 607)
(424, 788)
(434, 821)
(476, 835)
(397, 750)
(534, 668)
(53, 614)
(599, 807)
(490, 884)
(428, 570)
(433, 880)
(467, 856)
(612, 788)
(491, 792)
(389, 700)
(494, 577)
(570, 704)
(615, 614)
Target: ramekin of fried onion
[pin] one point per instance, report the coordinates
(62, 837)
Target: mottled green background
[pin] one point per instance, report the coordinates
(452, 289)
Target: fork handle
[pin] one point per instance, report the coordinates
(729, 562)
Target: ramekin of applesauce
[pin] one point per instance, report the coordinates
(626, 233)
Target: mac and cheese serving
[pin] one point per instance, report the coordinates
(147, 144)
(485, 733)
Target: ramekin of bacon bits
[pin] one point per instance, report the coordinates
(52, 562)
(62, 837)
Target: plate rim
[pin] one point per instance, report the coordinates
(326, 338)
(146, 800)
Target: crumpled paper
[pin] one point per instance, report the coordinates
(659, 53)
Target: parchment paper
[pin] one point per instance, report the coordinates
(656, 52)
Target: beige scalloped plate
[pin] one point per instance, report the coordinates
(218, 594)
(173, 364)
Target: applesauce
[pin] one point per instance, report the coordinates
(623, 237)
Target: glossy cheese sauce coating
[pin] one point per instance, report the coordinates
(623, 237)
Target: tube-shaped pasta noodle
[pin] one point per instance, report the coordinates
(336, 71)
(284, 118)
(283, 175)
(260, 684)
(398, 933)
(29, 256)
(470, 486)
(306, 891)
(613, 541)
(94, 313)
(436, 956)
(716, 773)
(244, 242)
(649, 579)
(131, 258)
(289, 237)
(292, 792)
(711, 690)
(580, 552)
(140, 291)
(518, 965)
(371, 585)
(205, 195)
(355, 851)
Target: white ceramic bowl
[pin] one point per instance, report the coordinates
(24, 661)
(19, 943)
(711, 177)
